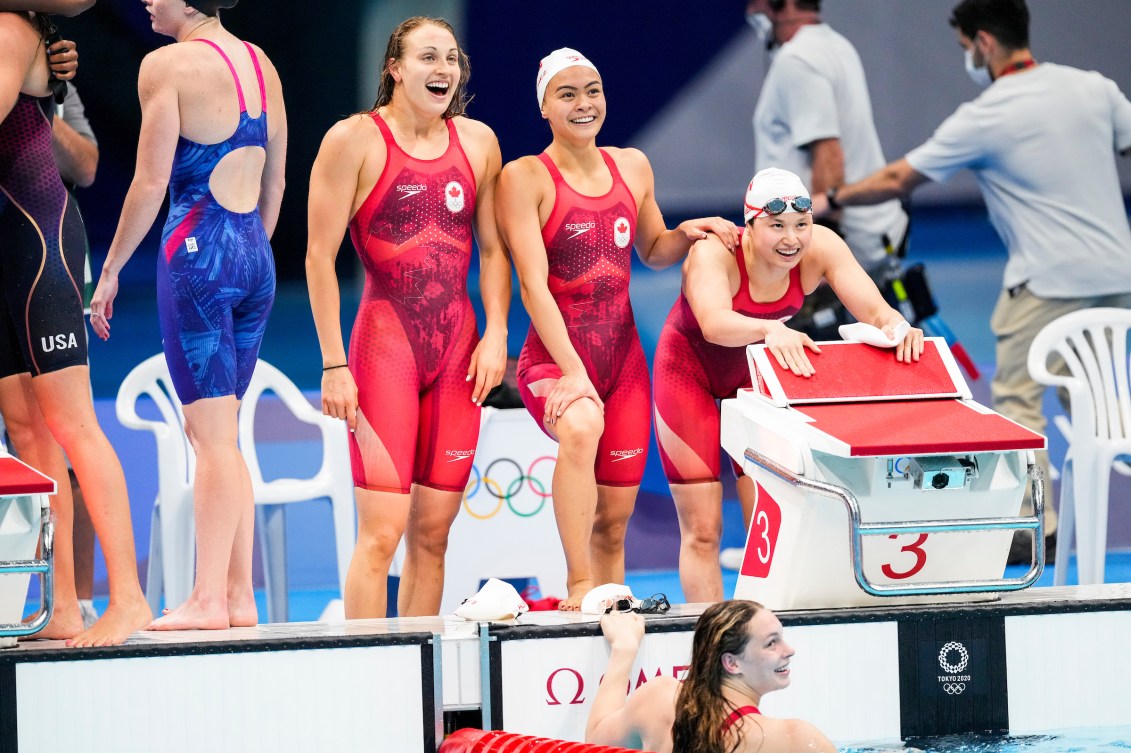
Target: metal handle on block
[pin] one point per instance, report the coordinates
(45, 569)
(859, 529)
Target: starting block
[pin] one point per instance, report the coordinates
(25, 525)
(878, 482)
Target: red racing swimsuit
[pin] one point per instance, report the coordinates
(691, 374)
(415, 329)
(588, 243)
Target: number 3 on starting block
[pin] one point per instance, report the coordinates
(762, 541)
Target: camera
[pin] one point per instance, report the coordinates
(941, 472)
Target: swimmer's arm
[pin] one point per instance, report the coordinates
(489, 361)
(610, 721)
(273, 180)
(64, 7)
(19, 50)
(858, 292)
(75, 155)
(708, 288)
(516, 208)
(157, 144)
(657, 246)
(806, 738)
(333, 192)
(895, 180)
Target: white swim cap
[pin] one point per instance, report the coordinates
(772, 184)
(556, 62)
(598, 599)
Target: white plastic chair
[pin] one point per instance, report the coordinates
(1093, 344)
(171, 550)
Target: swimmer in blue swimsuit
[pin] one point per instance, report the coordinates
(215, 269)
(44, 379)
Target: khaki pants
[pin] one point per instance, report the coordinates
(1016, 321)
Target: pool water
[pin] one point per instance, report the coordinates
(1099, 740)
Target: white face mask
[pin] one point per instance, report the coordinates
(979, 75)
(762, 26)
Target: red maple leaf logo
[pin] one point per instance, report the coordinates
(454, 191)
(622, 227)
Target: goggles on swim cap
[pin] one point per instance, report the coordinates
(801, 204)
(774, 191)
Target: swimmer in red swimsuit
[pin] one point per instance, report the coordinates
(411, 180)
(738, 654)
(732, 298)
(571, 217)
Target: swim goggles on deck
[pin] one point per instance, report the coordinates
(777, 206)
(654, 604)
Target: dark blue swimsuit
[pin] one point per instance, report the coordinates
(42, 247)
(216, 272)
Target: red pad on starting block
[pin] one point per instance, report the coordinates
(853, 372)
(927, 427)
(17, 478)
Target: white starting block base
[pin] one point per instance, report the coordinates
(23, 503)
(906, 448)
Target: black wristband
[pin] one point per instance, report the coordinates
(329, 368)
(831, 196)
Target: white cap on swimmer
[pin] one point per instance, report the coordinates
(556, 62)
(770, 184)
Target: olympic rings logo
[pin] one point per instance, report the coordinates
(503, 481)
(963, 658)
(954, 688)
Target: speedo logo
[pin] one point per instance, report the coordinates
(454, 456)
(577, 228)
(619, 455)
(411, 189)
(64, 341)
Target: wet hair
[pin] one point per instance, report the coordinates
(211, 7)
(1006, 20)
(395, 51)
(701, 709)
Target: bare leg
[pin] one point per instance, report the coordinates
(426, 540)
(34, 444)
(242, 611)
(578, 431)
(700, 511)
(64, 399)
(83, 538)
(381, 521)
(221, 501)
(614, 507)
(746, 496)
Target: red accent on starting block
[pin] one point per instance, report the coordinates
(854, 371)
(924, 427)
(18, 478)
(762, 542)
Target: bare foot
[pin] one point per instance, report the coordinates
(577, 591)
(116, 624)
(192, 615)
(66, 622)
(242, 611)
